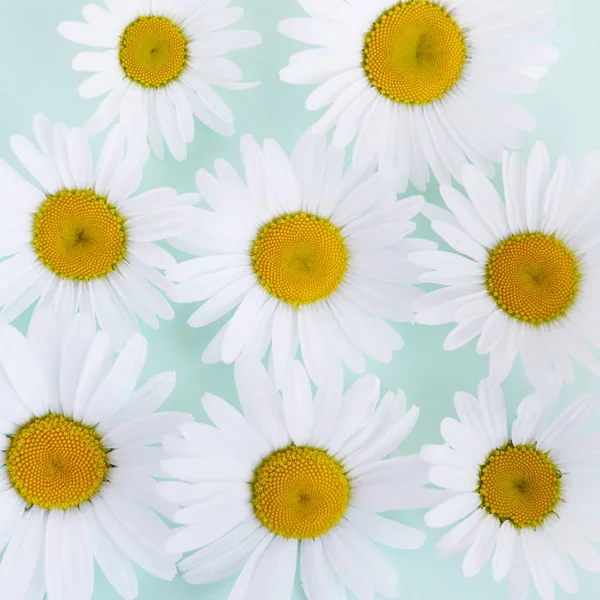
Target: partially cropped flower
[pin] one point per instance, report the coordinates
(523, 273)
(527, 499)
(422, 84)
(79, 239)
(78, 459)
(295, 475)
(158, 61)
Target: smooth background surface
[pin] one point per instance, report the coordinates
(36, 76)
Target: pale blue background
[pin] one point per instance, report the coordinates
(36, 76)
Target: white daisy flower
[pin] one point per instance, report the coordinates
(158, 63)
(422, 83)
(526, 277)
(310, 256)
(79, 239)
(77, 461)
(530, 497)
(295, 475)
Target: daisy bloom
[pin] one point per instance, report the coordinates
(79, 239)
(77, 461)
(421, 83)
(307, 254)
(295, 474)
(158, 63)
(529, 499)
(524, 278)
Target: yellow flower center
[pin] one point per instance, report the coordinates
(414, 53)
(153, 51)
(300, 258)
(533, 277)
(519, 484)
(56, 462)
(79, 235)
(300, 492)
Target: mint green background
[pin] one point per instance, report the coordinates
(36, 76)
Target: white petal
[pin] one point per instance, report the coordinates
(391, 496)
(21, 556)
(116, 390)
(518, 576)
(460, 241)
(260, 402)
(202, 469)
(242, 583)
(284, 341)
(452, 510)
(467, 216)
(148, 429)
(23, 370)
(542, 579)
(358, 403)
(39, 167)
(234, 426)
(531, 414)
(453, 478)
(385, 531)
(461, 536)
(483, 545)
(242, 324)
(151, 558)
(97, 363)
(327, 406)
(368, 560)
(464, 333)
(486, 201)
(111, 559)
(77, 555)
(538, 175)
(150, 396)
(570, 422)
(298, 405)
(345, 564)
(275, 572)
(55, 584)
(319, 581)
(507, 538)
(387, 442)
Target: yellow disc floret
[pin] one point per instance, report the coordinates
(300, 258)
(414, 53)
(56, 462)
(78, 235)
(533, 277)
(153, 51)
(519, 484)
(300, 492)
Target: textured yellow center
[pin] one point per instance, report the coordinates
(519, 484)
(300, 258)
(414, 53)
(153, 51)
(79, 235)
(533, 277)
(56, 462)
(300, 492)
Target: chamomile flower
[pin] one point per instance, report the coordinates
(77, 461)
(158, 61)
(308, 255)
(524, 278)
(422, 84)
(295, 474)
(526, 499)
(79, 239)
